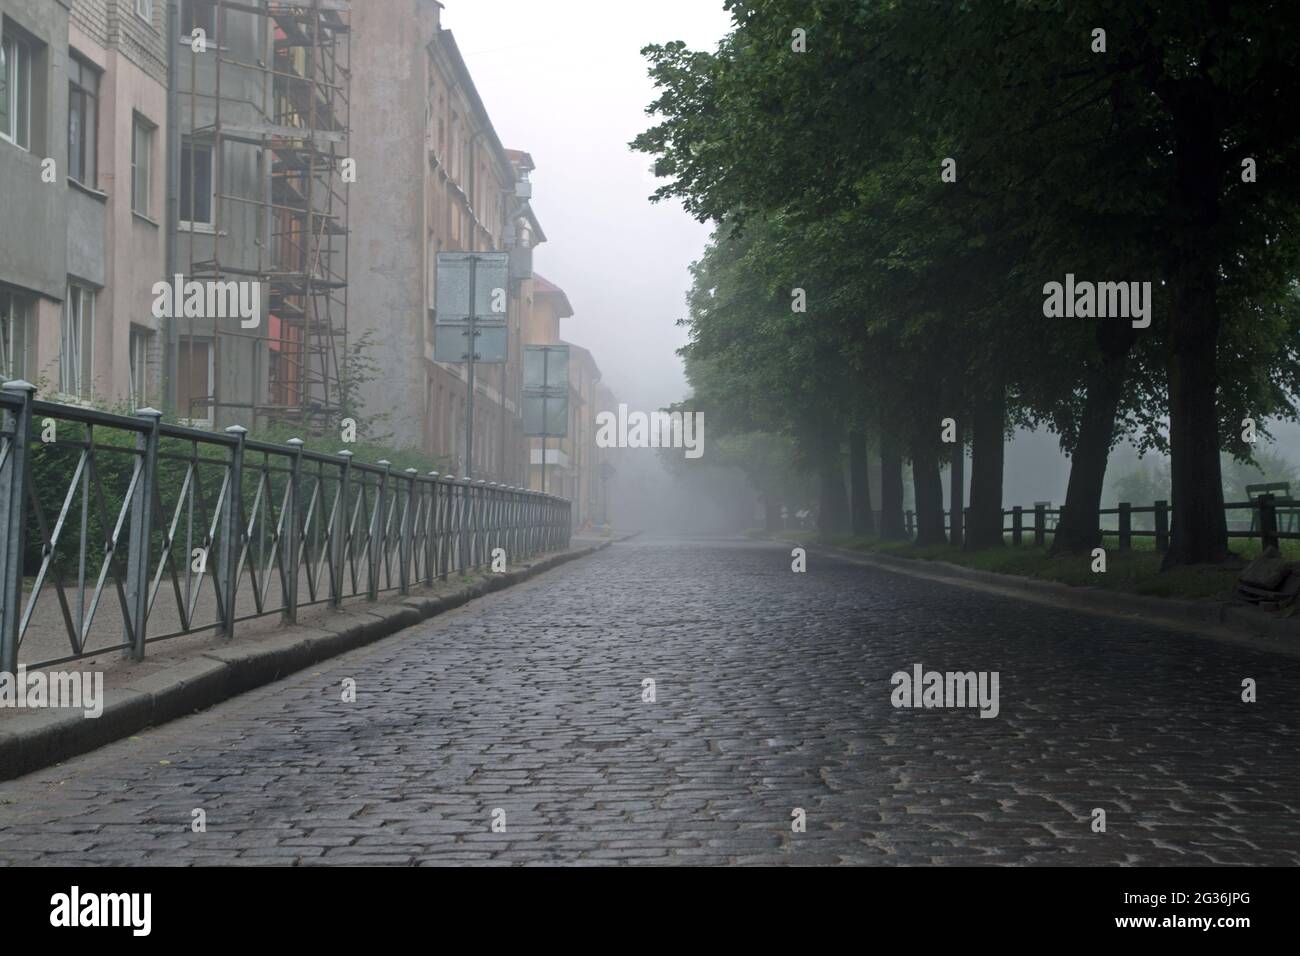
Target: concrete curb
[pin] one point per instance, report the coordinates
(39, 739)
(1220, 621)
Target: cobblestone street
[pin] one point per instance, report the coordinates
(772, 692)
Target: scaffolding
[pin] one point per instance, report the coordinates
(284, 114)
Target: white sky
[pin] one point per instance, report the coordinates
(564, 80)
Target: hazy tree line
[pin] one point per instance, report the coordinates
(918, 171)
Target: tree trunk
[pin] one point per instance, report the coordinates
(927, 488)
(833, 502)
(1079, 530)
(1199, 527)
(957, 488)
(987, 456)
(891, 487)
(790, 502)
(771, 513)
(1200, 531)
(864, 522)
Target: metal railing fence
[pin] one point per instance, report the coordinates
(134, 531)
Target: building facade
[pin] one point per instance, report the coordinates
(259, 99)
(148, 141)
(82, 129)
(575, 468)
(433, 177)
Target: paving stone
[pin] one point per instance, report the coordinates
(773, 692)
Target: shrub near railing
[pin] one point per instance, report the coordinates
(117, 512)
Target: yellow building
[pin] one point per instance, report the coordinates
(572, 463)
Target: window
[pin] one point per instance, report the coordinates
(15, 88)
(83, 99)
(141, 346)
(14, 312)
(196, 185)
(198, 15)
(194, 380)
(453, 158)
(76, 343)
(144, 9)
(141, 162)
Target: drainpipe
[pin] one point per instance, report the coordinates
(171, 30)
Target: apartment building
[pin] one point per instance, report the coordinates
(141, 140)
(584, 374)
(606, 462)
(432, 177)
(82, 127)
(575, 468)
(260, 104)
(547, 307)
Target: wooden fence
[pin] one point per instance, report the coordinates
(1273, 519)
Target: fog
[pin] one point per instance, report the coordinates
(1037, 471)
(566, 82)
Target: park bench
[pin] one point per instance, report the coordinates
(1288, 516)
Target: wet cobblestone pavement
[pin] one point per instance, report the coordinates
(772, 692)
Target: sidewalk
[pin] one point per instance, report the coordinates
(185, 674)
(1218, 620)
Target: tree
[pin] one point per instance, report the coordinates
(756, 363)
(1131, 158)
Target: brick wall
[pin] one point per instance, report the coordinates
(92, 17)
(139, 41)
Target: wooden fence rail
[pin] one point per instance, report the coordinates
(1274, 519)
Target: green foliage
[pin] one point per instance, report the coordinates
(1266, 467)
(358, 368)
(1149, 479)
(1146, 483)
(99, 492)
(1137, 571)
(822, 170)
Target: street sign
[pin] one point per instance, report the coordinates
(471, 305)
(477, 281)
(472, 299)
(546, 390)
(451, 343)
